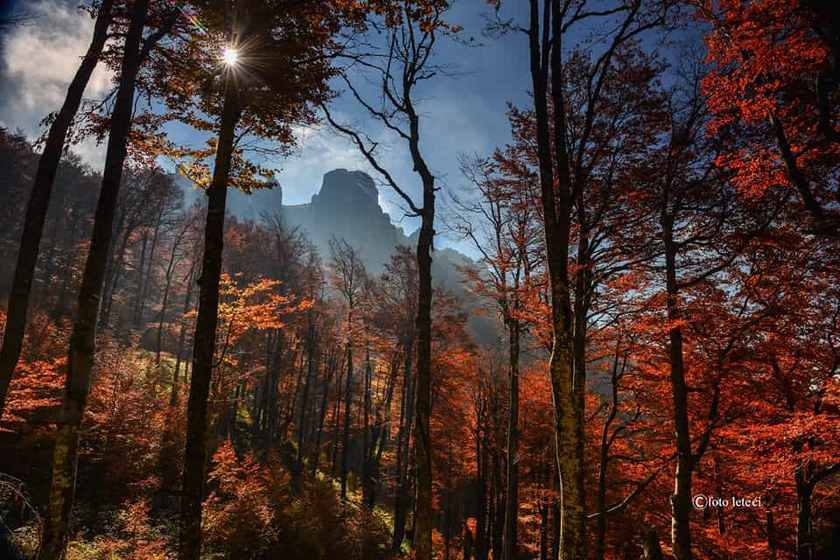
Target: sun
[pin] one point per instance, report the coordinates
(230, 56)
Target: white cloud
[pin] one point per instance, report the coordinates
(38, 61)
(320, 149)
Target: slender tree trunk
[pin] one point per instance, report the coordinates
(771, 533)
(205, 336)
(147, 277)
(67, 274)
(39, 198)
(543, 507)
(603, 462)
(336, 423)
(49, 265)
(804, 532)
(512, 490)
(402, 447)
(114, 283)
(141, 267)
(601, 505)
(366, 435)
(310, 372)
(681, 499)
(83, 338)
(316, 450)
(380, 436)
(481, 499)
(498, 499)
(651, 548)
(173, 399)
(468, 541)
(423, 407)
(556, 207)
(110, 264)
(164, 303)
(345, 435)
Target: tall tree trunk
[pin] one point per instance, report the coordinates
(681, 499)
(114, 283)
(651, 548)
(366, 432)
(310, 373)
(556, 208)
(497, 496)
(804, 532)
(604, 459)
(316, 449)
(543, 508)
(512, 490)
(39, 198)
(345, 433)
(164, 303)
(83, 339)
(67, 271)
(481, 498)
(141, 267)
(147, 277)
(205, 335)
(336, 423)
(173, 399)
(380, 435)
(423, 407)
(403, 446)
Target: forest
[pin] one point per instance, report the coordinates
(614, 333)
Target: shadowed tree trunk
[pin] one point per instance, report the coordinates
(498, 498)
(545, 39)
(410, 49)
(182, 337)
(681, 498)
(423, 407)
(146, 276)
(651, 548)
(403, 445)
(39, 198)
(83, 338)
(345, 432)
(807, 476)
(511, 492)
(322, 415)
(170, 267)
(310, 373)
(205, 336)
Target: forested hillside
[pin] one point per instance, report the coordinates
(639, 358)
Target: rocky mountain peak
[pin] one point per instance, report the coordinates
(343, 186)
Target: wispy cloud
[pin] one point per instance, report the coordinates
(39, 59)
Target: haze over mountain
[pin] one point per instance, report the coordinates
(347, 207)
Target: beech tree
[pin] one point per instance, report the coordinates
(248, 95)
(505, 234)
(563, 155)
(406, 62)
(348, 278)
(39, 198)
(83, 340)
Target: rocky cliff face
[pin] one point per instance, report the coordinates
(347, 207)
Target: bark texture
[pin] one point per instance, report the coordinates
(83, 337)
(195, 456)
(39, 199)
